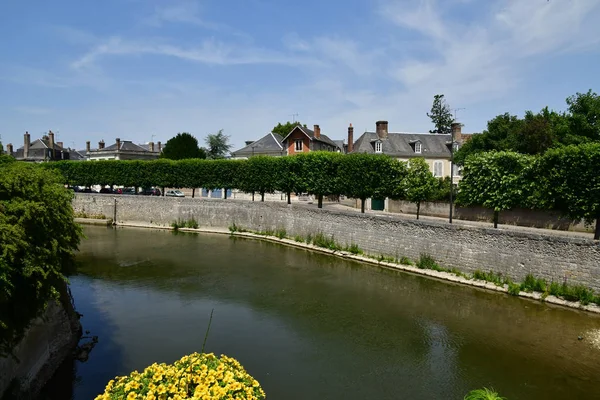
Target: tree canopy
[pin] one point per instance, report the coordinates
(362, 176)
(568, 181)
(217, 145)
(536, 133)
(38, 238)
(441, 115)
(421, 185)
(182, 146)
(497, 180)
(284, 129)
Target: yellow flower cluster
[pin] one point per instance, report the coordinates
(197, 376)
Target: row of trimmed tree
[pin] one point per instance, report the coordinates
(565, 179)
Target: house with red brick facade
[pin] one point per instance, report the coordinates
(304, 140)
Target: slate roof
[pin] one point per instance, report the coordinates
(402, 144)
(38, 151)
(270, 144)
(341, 145)
(126, 145)
(311, 135)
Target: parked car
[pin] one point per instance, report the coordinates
(128, 190)
(151, 192)
(118, 191)
(105, 190)
(88, 190)
(174, 193)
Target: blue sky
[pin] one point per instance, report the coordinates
(148, 69)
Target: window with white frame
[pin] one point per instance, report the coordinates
(298, 144)
(418, 148)
(438, 169)
(378, 146)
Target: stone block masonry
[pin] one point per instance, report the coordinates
(575, 260)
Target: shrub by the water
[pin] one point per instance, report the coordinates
(483, 394)
(197, 376)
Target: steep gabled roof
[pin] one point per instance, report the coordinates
(311, 136)
(402, 144)
(270, 143)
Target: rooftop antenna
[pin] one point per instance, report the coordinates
(455, 111)
(152, 138)
(294, 117)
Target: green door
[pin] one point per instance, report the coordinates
(377, 204)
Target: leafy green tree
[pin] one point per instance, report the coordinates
(585, 113)
(497, 180)
(284, 129)
(289, 178)
(218, 145)
(259, 174)
(569, 182)
(441, 115)
(320, 170)
(361, 176)
(181, 147)
(1, 149)
(38, 239)
(421, 185)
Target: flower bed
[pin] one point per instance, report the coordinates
(197, 376)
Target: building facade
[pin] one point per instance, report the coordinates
(433, 147)
(123, 150)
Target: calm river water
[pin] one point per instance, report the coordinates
(311, 326)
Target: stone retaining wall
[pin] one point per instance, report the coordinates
(49, 340)
(512, 253)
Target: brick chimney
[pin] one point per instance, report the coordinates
(382, 129)
(26, 143)
(151, 146)
(457, 131)
(159, 147)
(60, 144)
(88, 146)
(9, 149)
(101, 144)
(118, 140)
(317, 131)
(350, 139)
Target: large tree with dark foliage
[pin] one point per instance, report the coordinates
(38, 239)
(181, 147)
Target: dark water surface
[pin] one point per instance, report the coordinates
(311, 326)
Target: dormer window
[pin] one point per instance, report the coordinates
(418, 148)
(378, 147)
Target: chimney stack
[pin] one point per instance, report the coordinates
(317, 131)
(382, 129)
(9, 149)
(457, 131)
(151, 147)
(159, 147)
(60, 144)
(27, 142)
(88, 146)
(118, 140)
(101, 144)
(350, 139)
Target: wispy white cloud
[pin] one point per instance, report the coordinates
(485, 57)
(210, 51)
(186, 12)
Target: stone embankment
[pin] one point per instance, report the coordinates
(515, 254)
(49, 340)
